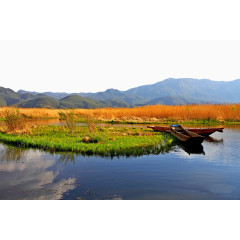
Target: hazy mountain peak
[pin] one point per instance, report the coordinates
(112, 90)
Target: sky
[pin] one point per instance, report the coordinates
(92, 66)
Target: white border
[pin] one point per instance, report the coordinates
(119, 20)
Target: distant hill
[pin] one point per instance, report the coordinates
(56, 95)
(172, 101)
(26, 96)
(203, 90)
(76, 101)
(8, 97)
(40, 102)
(171, 91)
(116, 103)
(114, 94)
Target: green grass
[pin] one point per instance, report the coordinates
(110, 141)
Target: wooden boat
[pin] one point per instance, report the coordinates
(205, 131)
(185, 135)
(160, 128)
(200, 131)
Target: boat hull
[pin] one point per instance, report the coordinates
(186, 136)
(200, 131)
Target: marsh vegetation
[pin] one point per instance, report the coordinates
(89, 139)
(207, 113)
(105, 141)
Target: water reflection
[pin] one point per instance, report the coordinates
(198, 148)
(67, 158)
(192, 149)
(32, 176)
(11, 153)
(214, 140)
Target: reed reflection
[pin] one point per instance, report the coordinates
(67, 158)
(8, 153)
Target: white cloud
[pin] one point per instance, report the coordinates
(32, 176)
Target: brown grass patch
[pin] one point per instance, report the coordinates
(16, 122)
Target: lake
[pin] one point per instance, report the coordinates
(210, 172)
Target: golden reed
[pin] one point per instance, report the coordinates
(220, 112)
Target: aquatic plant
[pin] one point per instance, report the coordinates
(107, 141)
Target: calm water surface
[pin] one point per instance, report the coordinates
(210, 172)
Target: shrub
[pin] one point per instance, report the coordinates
(91, 123)
(14, 120)
(67, 118)
(234, 108)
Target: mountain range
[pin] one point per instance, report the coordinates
(171, 91)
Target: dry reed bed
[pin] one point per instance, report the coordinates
(223, 112)
(163, 112)
(36, 113)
